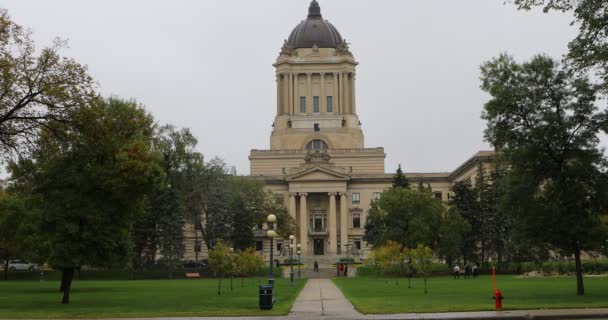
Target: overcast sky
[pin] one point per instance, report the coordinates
(207, 65)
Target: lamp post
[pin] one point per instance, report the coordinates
(291, 237)
(272, 219)
(299, 262)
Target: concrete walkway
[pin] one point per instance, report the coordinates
(319, 299)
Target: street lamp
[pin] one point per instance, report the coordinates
(291, 238)
(272, 219)
(299, 261)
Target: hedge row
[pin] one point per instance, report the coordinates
(559, 267)
(123, 274)
(370, 270)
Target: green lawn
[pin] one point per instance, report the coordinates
(381, 295)
(153, 298)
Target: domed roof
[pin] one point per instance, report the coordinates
(314, 30)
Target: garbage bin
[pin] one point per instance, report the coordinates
(266, 297)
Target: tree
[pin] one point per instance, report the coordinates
(422, 258)
(92, 184)
(221, 262)
(451, 235)
(405, 216)
(37, 88)
(465, 202)
(544, 123)
(589, 50)
(248, 262)
(400, 180)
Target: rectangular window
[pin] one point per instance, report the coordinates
(330, 104)
(438, 195)
(356, 220)
(357, 244)
(280, 245)
(315, 104)
(376, 196)
(356, 198)
(302, 104)
(316, 126)
(259, 246)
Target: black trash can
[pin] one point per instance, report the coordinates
(266, 297)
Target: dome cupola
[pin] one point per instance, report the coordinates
(314, 31)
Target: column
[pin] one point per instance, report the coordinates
(292, 206)
(336, 95)
(322, 98)
(343, 222)
(333, 226)
(303, 224)
(352, 93)
(309, 93)
(290, 94)
(343, 104)
(279, 102)
(285, 93)
(296, 94)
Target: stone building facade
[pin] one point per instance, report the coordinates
(317, 158)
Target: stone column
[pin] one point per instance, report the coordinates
(309, 93)
(343, 101)
(296, 93)
(353, 104)
(322, 99)
(290, 94)
(303, 224)
(279, 102)
(292, 205)
(333, 226)
(343, 222)
(336, 95)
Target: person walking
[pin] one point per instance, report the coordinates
(316, 266)
(475, 271)
(467, 271)
(456, 271)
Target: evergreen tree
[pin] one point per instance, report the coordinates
(400, 180)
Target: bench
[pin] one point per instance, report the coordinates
(192, 275)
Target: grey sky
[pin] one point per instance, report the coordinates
(207, 65)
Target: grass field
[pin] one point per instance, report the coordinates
(382, 295)
(149, 298)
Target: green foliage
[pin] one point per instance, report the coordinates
(406, 216)
(221, 259)
(248, 262)
(452, 232)
(544, 122)
(422, 259)
(400, 180)
(38, 88)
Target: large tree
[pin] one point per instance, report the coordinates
(37, 87)
(92, 184)
(544, 122)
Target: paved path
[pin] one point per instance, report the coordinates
(320, 298)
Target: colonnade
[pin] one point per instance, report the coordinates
(342, 92)
(332, 227)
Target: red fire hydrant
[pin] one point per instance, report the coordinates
(498, 299)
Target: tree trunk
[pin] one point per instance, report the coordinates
(219, 286)
(425, 285)
(231, 277)
(243, 282)
(6, 269)
(580, 287)
(63, 281)
(67, 275)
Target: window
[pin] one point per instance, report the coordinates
(357, 245)
(376, 196)
(317, 127)
(315, 104)
(317, 145)
(356, 198)
(259, 246)
(356, 220)
(438, 195)
(302, 104)
(330, 104)
(280, 245)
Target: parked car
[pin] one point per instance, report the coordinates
(14, 265)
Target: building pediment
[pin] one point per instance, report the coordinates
(317, 173)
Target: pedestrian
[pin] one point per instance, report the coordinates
(316, 266)
(467, 271)
(475, 271)
(456, 271)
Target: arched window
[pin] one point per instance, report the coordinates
(317, 145)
